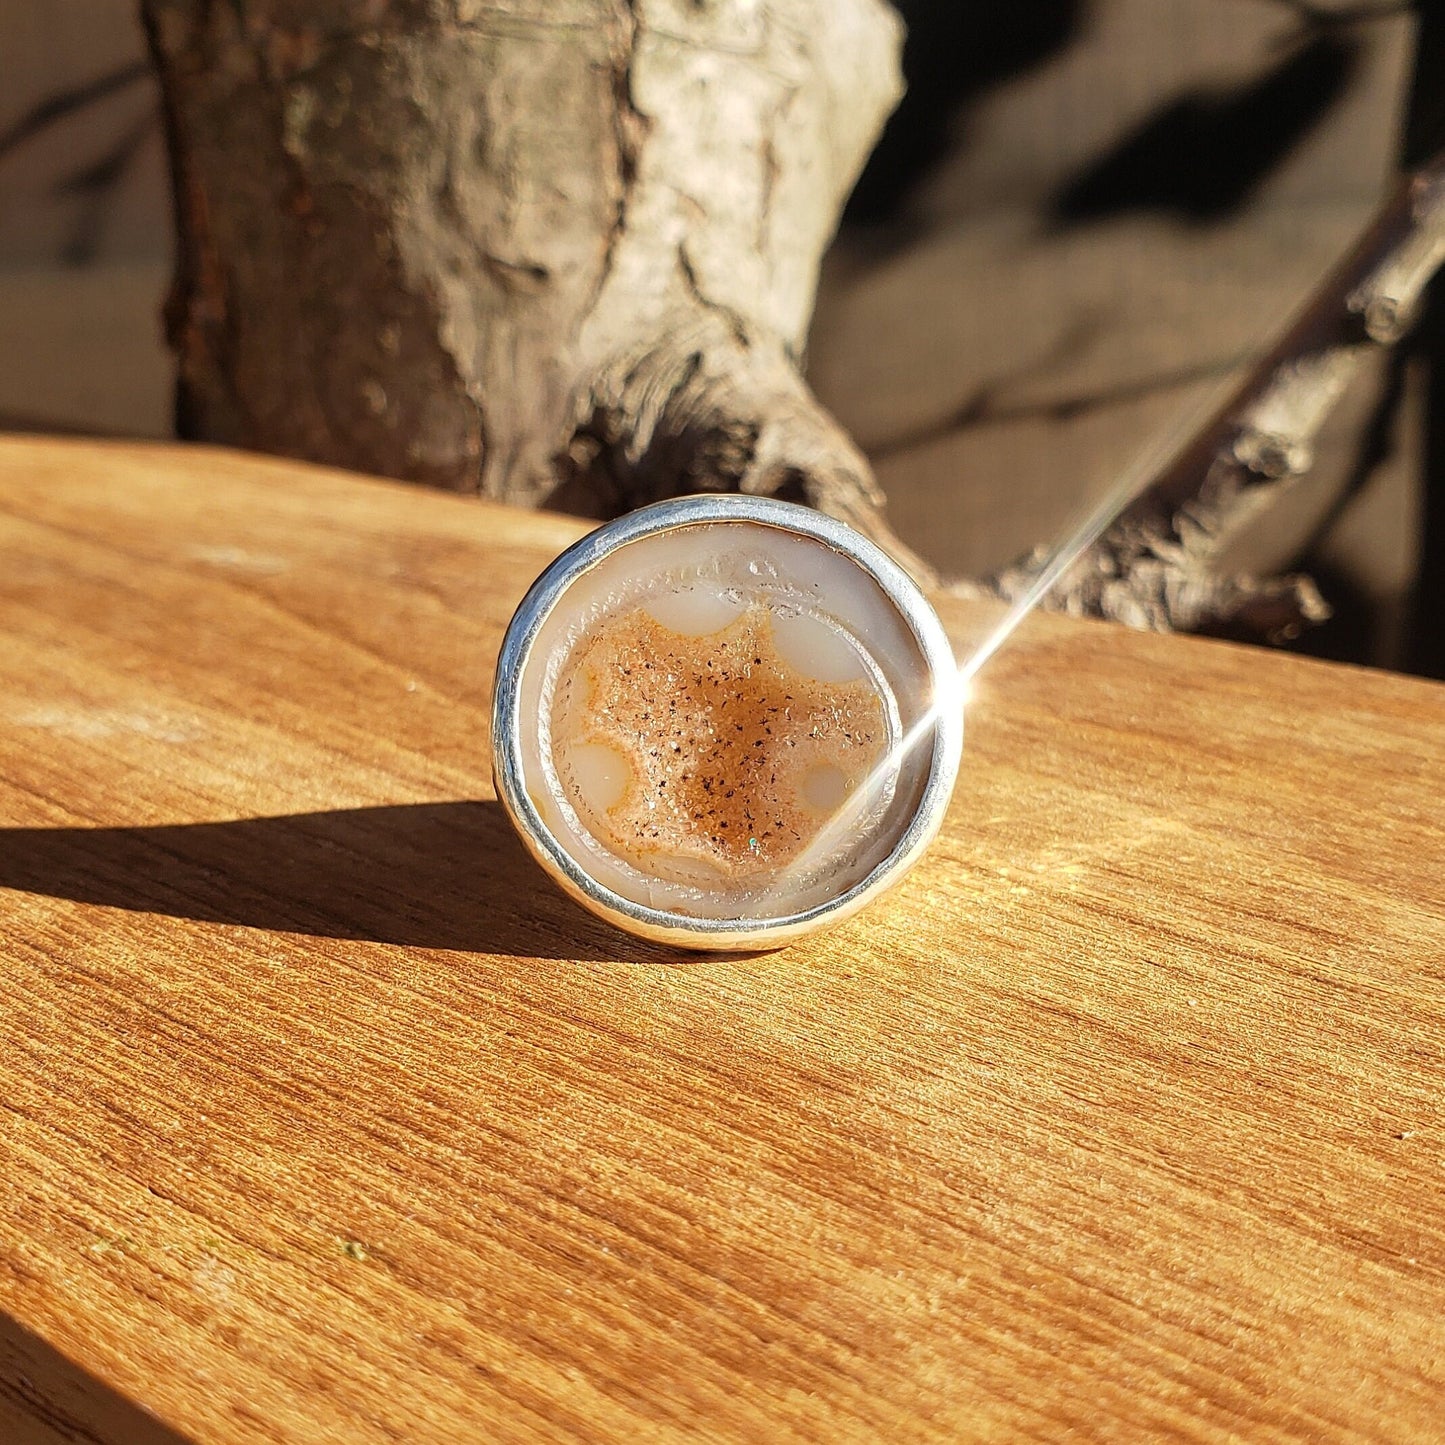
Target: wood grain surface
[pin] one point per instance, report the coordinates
(324, 1118)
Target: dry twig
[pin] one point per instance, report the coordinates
(1156, 566)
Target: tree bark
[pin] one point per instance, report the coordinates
(564, 252)
(554, 251)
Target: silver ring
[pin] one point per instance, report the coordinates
(862, 676)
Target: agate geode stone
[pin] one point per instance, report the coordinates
(723, 721)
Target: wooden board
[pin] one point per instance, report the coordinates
(326, 1118)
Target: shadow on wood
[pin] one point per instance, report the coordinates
(424, 875)
(46, 1398)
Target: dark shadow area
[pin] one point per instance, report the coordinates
(46, 1399)
(1424, 138)
(28, 424)
(956, 51)
(1203, 156)
(94, 184)
(424, 875)
(1349, 633)
(1426, 644)
(1352, 633)
(62, 104)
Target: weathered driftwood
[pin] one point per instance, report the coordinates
(564, 252)
(555, 251)
(1157, 565)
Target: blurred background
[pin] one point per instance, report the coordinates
(1084, 214)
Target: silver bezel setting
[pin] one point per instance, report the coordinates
(683, 930)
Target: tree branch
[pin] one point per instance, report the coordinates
(1156, 565)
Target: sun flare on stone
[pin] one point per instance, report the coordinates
(706, 715)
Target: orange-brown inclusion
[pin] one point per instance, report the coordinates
(720, 732)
